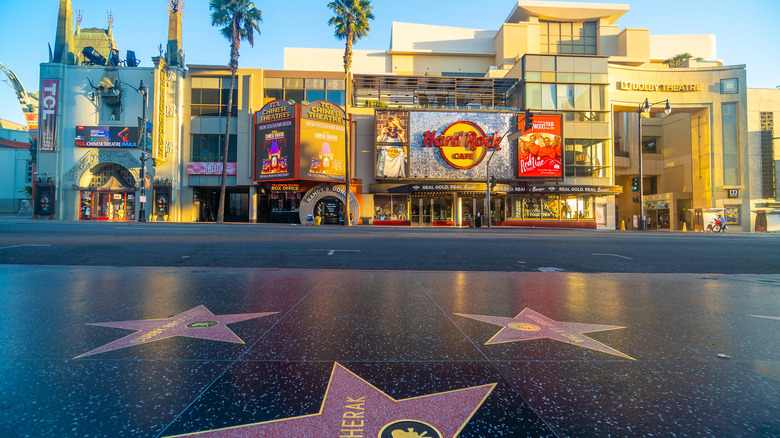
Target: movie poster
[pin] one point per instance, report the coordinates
(540, 149)
(275, 142)
(322, 140)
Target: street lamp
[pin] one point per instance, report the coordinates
(644, 108)
(142, 90)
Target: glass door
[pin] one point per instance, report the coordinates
(103, 207)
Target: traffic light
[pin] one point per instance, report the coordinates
(635, 184)
(529, 120)
(492, 182)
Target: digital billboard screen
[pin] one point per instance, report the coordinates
(540, 149)
(107, 136)
(322, 137)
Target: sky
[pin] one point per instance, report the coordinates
(746, 32)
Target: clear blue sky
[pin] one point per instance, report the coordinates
(747, 32)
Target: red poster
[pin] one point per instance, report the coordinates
(47, 120)
(540, 149)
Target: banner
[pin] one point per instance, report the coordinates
(540, 149)
(322, 137)
(107, 136)
(47, 120)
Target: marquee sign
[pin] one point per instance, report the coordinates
(274, 154)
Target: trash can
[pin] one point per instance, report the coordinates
(478, 221)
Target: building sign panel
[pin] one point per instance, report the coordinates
(540, 149)
(454, 145)
(47, 126)
(107, 136)
(638, 86)
(209, 168)
(322, 137)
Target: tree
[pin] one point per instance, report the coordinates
(677, 60)
(239, 20)
(351, 23)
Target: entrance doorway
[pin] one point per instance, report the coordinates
(331, 210)
(428, 211)
(111, 195)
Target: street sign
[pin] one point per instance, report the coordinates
(147, 182)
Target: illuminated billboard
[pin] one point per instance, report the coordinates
(322, 136)
(107, 136)
(456, 145)
(392, 144)
(275, 142)
(540, 149)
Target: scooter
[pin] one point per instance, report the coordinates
(717, 227)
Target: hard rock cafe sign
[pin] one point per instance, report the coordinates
(463, 144)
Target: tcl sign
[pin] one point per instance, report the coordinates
(462, 144)
(47, 120)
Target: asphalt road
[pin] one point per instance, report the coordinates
(384, 248)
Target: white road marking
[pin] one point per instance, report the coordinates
(23, 245)
(766, 317)
(551, 269)
(614, 255)
(332, 251)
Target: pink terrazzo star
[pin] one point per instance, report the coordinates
(197, 322)
(530, 325)
(354, 408)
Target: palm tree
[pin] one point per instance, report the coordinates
(351, 23)
(239, 20)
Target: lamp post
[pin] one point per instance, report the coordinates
(142, 186)
(644, 108)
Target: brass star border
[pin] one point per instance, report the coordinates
(197, 322)
(353, 407)
(529, 325)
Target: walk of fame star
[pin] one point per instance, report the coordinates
(197, 322)
(532, 325)
(353, 407)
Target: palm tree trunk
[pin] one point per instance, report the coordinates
(234, 45)
(223, 184)
(347, 87)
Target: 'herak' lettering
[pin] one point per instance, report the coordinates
(353, 422)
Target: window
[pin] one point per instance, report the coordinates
(213, 101)
(565, 37)
(391, 207)
(300, 90)
(730, 147)
(586, 158)
(209, 147)
(29, 174)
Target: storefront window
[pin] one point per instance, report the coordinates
(568, 207)
(532, 208)
(442, 209)
(550, 207)
(586, 207)
(391, 207)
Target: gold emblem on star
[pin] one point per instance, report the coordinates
(524, 327)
